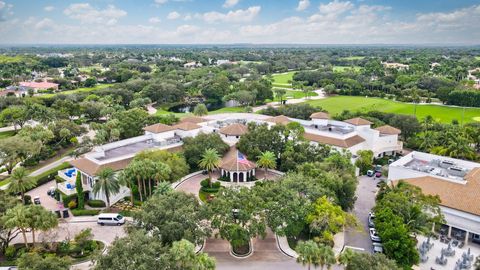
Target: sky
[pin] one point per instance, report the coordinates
(240, 21)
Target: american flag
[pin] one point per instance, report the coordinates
(241, 158)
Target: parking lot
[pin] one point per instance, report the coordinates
(366, 190)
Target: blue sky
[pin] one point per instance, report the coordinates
(240, 21)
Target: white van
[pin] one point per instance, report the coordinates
(110, 219)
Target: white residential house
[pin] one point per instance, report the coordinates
(455, 181)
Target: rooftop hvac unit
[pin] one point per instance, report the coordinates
(446, 164)
(457, 171)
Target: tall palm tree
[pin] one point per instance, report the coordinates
(125, 180)
(107, 184)
(210, 161)
(18, 217)
(20, 182)
(308, 253)
(267, 161)
(42, 220)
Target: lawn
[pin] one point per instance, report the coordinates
(353, 58)
(477, 58)
(282, 79)
(291, 94)
(79, 90)
(345, 68)
(335, 105)
(7, 134)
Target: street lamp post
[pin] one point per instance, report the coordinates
(235, 213)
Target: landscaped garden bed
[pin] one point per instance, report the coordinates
(81, 249)
(207, 192)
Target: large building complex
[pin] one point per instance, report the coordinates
(455, 181)
(351, 135)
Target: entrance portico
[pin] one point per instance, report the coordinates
(236, 167)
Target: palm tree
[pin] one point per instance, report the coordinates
(210, 161)
(18, 217)
(42, 220)
(327, 256)
(308, 253)
(125, 180)
(346, 257)
(107, 184)
(20, 182)
(267, 161)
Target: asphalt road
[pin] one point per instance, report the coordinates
(365, 193)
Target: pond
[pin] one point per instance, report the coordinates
(188, 108)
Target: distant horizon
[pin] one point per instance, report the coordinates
(244, 44)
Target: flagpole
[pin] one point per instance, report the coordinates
(238, 176)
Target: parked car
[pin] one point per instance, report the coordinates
(378, 168)
(110, 219)
(371, 217)
(373, 235)
(51, 192)
(36, 200)
(378, 174)
(370, 173)
(377, 247)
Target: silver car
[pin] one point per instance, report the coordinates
(374, 236)
(377, 247)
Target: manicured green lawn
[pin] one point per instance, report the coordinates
(344, 68)
(282, 79)
(7, 134)
(477, 57)
(79, 90)
(352, 58)
(335, 105)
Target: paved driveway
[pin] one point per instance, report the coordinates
(365, 193)
(46, 201)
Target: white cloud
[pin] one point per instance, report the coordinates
(45, 23)
(303, 4)
(49, 8)
(230, 3)
(160, 2)
(154, 20)
(335, 7)
(2, 4)
(87, 14)
(237, 16)
(173, 15)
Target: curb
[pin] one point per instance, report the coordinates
(245, 256)
(175, 185)
(281, 250)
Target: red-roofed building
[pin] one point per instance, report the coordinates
(39, 85)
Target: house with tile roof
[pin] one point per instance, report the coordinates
(456, 182)
(350, 135)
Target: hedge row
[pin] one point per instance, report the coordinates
(85, 212)
(96, 203)
(49, 175)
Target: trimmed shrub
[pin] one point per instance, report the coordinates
(216, 185)
(72, 204)
(59, 179)
(204, 183)
(97, 203)
(28, 199)
(10, 252)
(85, 212)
